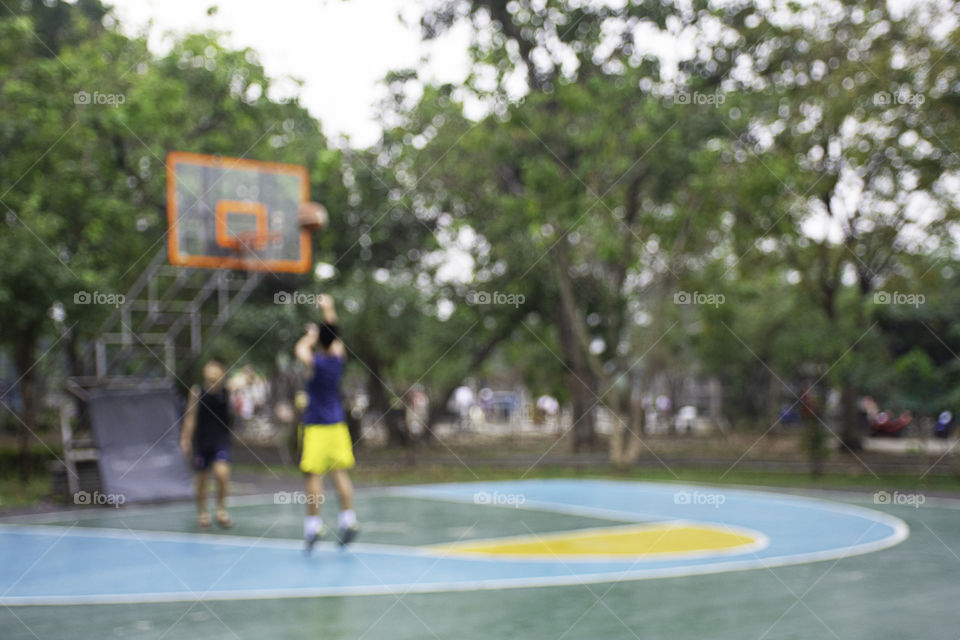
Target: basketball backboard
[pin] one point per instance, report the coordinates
(233, 213)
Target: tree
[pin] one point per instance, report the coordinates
(598, 222)
(842, 144)
(88, 125)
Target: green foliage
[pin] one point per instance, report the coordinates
(598, 194)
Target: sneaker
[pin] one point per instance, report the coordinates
(312, 539)
(347, 534)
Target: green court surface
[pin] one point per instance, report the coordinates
(396, 521)
(907, 590)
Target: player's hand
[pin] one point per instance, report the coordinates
(324, 301)
(312, 329)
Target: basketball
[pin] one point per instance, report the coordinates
(312, 217)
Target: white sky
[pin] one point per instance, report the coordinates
(340, 50)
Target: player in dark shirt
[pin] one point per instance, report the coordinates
(205, 440)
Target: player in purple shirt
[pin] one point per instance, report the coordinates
(325, 439)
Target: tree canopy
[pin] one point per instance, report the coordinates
(760, 193)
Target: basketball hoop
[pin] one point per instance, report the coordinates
(245, 218)
(250, 241)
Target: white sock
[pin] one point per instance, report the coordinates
(311, 526)
(347, 518)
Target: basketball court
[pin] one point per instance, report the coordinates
(543, 558)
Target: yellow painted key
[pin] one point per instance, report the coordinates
(627, 540)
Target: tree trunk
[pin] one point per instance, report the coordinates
(813, 432)
(25, 353)
(584, 425)
(773, 400)
(815, 440)
(627, 438)
(638, 425)
(382, 402)
(434, 408)
(850, 432)
(578, 376)
(75, 362)
(618, 433)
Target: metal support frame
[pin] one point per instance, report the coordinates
(167, 317)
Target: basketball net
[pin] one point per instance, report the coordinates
(249, 243)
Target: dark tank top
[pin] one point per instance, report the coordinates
(213, 420)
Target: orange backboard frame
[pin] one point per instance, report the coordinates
(231, 207)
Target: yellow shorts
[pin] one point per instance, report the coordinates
(325, 447)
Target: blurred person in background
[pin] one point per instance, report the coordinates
(205, 440)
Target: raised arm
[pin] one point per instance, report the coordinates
(329, 310)
(327, 307)
(305, 345)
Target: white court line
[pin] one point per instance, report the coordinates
(440, 587)
(535, 505)
(178, 505)
(860, 496)
(761, 541)
(413, 491)
(425, 491)
(899, 528)
(207, 538)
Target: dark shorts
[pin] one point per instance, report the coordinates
(203, 457)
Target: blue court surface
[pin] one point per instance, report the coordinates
(431, 545)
